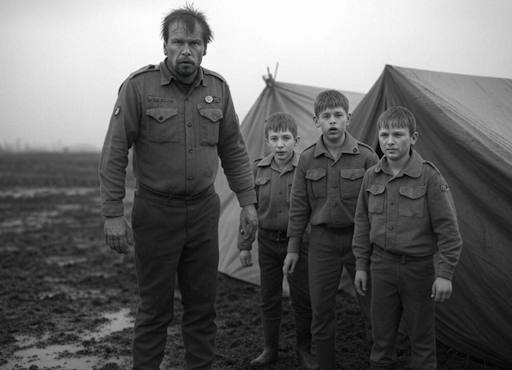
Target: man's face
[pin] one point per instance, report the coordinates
(184, 51)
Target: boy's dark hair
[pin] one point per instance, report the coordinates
(280, 122)
(397, 117)
(330, 99)
(188, 16)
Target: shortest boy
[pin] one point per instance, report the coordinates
(273, 181)
(405, 214)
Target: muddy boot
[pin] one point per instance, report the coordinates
(306, 359)
(269, 354)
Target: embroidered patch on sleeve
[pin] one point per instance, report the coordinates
(444, 187)
(118, 110)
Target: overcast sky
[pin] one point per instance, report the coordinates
(62, 61)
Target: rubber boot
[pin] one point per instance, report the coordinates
(269, 354)
(304, 338)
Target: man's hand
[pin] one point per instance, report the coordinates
(246, 258)
(118, 234)
(441, 289)
(360, 281)
(249, 221)
(290, 261)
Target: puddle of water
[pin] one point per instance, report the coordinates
(29, 355)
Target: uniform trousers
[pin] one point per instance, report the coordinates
(271, 254)
(175, 237)
(402, 285)
(329, 250)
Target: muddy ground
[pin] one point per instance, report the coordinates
(68, 302)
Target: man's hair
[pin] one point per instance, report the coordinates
(187, 16)
(330, 99)
(397, 117)
(281, 122)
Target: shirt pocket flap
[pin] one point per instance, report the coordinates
(213, 114)
(162, 114)
(352, 173)
(376, 189)
(413, 192)
(261, 180)
(315, 174)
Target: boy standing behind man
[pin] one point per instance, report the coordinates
(405, 214)
(324, 193)
(273, 181)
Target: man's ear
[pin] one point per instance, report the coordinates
(165, 48)
(204, 52)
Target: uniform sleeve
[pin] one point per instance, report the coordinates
(233, 154)
(300, 209)
(361, 245)
(122, 131)
(443, 218)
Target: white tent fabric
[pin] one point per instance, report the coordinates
(296, 100)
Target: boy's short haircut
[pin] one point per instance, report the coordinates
(397, 117)
(330, 99)
(281, 122)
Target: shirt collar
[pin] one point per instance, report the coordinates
(412, 168)
(166, 75)
(349, 146)
(267, 161)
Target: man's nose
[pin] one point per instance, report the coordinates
(186, 49)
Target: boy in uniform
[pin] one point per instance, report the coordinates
(405, 214)
(324, 194)
(273, 181)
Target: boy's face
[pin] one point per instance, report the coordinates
(282, 144)
(333, 122)
(395, 143)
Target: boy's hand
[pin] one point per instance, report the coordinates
(290, 261)
(441, 289)
(246, 258)
(360, 281)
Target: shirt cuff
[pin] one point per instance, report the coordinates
(247, 197)
(112, 209)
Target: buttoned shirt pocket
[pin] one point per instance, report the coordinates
(351, 180)
(376, 198)
(262, 185)
(411, 203)
(209, 124)
(163, 125)
(317, 181)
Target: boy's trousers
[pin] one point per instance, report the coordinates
(330, 249)
(402, 285)
(271, 254)
(174, 236)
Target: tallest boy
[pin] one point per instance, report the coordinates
(179, 118)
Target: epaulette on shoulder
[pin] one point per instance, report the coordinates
(309, 147)
(148, 68)
(212, 73)
(257, 160)
(433, 166)
(366, 146)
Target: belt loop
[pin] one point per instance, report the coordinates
(403, 260)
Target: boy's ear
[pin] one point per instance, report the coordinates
(297, 139)
(348, 118)
(315, 121)
(414, 138)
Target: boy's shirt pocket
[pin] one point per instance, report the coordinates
(351, 180)
(376, 198)
(317, 182)
(411, 202)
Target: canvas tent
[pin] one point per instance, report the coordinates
(465, 129)
(276, 97)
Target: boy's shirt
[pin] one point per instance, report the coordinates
(325, 189)
(411, 214)
(273, 189)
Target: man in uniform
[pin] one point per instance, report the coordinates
(178, 118)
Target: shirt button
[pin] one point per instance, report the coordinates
(335, 205)
(391, 228)
(189, 124)
(280, 211)
(392, 203)
(191, 177)
(334, 186)
(191, 150)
